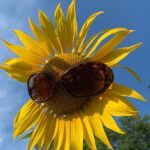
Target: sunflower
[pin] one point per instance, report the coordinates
(89, 97)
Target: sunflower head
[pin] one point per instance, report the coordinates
(70, 81)
(62, 102)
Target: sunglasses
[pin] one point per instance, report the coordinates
(83, 80)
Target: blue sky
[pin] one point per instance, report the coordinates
(132, 14)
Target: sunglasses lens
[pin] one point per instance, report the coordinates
(88, 79)
(40, 86)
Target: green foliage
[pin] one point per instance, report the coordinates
(137, 135)
(27, 136)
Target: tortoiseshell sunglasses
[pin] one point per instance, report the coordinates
(83, 80)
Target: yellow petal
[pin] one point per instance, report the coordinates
(97, 105)
(61, 28)
(84, 30)
(49, 31)
(19, 68)
(122, 90)
(19, 77)
(38, 132)
(130, 71)
(118, 106)
(39, 144)
(51, 131)
(109, 122)
(98, 128)
(77, 137)
(28, 121)
(73, 135)
(89, 42)
(59, 135)
(42, 39)
(72, 26)
(87, 131)
(66, 139)
(24, 111)
(31, 44)
(19, 63)
(119, 36)
(117, 55)
(24, 53)
(42, 139)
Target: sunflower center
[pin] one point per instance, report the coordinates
(62, 102)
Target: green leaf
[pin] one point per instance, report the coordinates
(27, 136)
